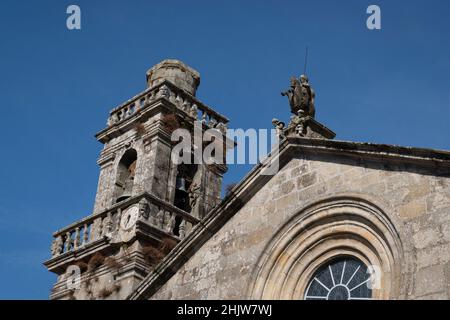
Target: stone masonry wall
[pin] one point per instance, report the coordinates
(417, 202)
(113, 152)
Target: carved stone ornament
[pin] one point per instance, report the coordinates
(301, 97)
(279, 127)
(144, 208)
(194, 194)
(57, 246)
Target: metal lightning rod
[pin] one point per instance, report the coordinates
(306, 60)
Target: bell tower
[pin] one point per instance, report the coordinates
(146, 202)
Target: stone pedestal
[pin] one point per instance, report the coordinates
(308, 127)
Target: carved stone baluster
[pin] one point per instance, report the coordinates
(179, 101)
(187, 227)
(99, 229)
(110, 121)
(204, 115)
(194, 111)
(160, 218)
(77, 241)
(182, 230)
(212, 122)
(170, 223)
(85, 234)
(166, 220)
(141, 103)
(93, 232)
(57, 246)
(222, 127)
(68, 242)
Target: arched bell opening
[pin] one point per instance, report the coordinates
(184, 188)
(125, 175)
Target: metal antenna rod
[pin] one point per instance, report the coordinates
(306, 60)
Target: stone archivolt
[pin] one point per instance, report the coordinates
(341, 226)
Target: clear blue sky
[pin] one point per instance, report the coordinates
(57, 86)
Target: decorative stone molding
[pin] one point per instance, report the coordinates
(340, 226)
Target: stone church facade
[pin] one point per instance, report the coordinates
(339, 220)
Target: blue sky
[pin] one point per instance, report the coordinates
(389, 86)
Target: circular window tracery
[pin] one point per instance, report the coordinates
(345, 278)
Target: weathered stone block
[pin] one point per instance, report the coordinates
(412, 210)
(432, 256)
(302, 169)
(438, 201)
(306, 180)
(430, 280)
(446, 231)
(287, 187)
(426, 237)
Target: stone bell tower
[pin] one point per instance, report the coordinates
(145, 202)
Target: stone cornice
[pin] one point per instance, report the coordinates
(391, 153)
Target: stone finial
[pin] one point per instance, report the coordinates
(175, 71)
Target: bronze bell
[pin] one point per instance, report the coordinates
(181, 184)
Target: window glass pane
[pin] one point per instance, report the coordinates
(344, 278)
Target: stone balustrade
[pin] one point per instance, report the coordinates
(155, 212)
(190, 105)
